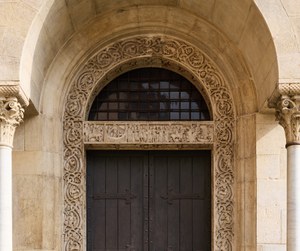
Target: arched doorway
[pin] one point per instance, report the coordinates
(149, 200)
(80, 134)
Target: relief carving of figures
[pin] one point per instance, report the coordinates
(139, 133)
(94, 133)
(115, 132)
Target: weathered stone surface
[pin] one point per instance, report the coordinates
(271, 247)
(37, 222)
(270, 219)
(268, 166)
(76, 28)
(151, 133)
(271, 184)
(11, 115)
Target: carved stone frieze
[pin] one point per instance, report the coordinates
(11, 115)
(102, 133)
(288, 115)
(151, 51)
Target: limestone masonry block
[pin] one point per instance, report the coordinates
(268, 166)
(272, 193)
(269, 226)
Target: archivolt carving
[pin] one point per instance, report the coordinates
(83, 87)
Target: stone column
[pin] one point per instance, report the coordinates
(288, 115)
(11, 114)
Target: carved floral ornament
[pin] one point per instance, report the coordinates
(11, 115)
(288, 111)
(151, 51)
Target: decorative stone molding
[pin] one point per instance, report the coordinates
(13, 89)
(290, 89)
(147, 133)
(123, 55)
(11, 115)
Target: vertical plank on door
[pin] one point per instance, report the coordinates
(96, 208)
(198, 187)
(158, 208)
(111, 186)
(124, 224)
(139, 165)
(205, 162)
(173, 208)
(186, 205)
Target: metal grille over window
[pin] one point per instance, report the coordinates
(149, 94)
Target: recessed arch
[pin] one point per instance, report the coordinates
(133, 18)
(150, 51)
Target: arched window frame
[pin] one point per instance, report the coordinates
(149, 94)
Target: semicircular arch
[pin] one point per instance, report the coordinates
(47, 39)
(148, 50)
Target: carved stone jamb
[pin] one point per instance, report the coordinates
(11, 115)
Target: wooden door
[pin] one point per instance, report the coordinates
(155, 200)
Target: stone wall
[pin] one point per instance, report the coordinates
(37, 159)
(271, 185)
(37, 187)
(283, 19)
(15, 20)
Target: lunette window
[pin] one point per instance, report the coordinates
(149, 94)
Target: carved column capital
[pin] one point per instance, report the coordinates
(286, 101)
(11, 115)
(288, 115)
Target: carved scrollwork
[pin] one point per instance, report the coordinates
(11, 115)
(288, 115)
(131, 53)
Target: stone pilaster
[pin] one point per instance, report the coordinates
(11, 115)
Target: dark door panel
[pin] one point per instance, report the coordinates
(180, 209)
(149, 200)
(115, 200)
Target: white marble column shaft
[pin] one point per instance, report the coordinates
(293, 198)
(11, 115)
(288, 115)
(5, 198)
